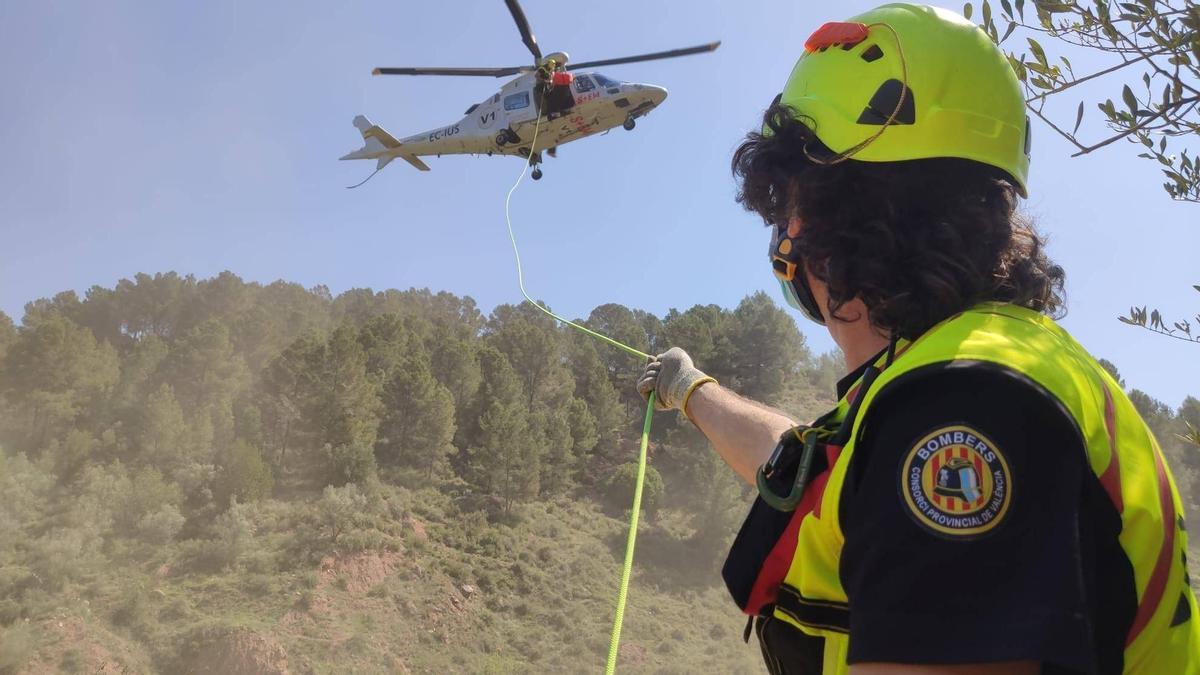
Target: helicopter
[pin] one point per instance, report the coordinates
(547, 98)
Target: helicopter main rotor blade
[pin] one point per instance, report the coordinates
(686, 51)
(527, 37)
(485, 72)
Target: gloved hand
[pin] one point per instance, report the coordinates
(674, 378)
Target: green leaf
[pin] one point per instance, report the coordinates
(1038, 53)
(1021, 9)
(1078, 117)
(1007, 7)
(1038, 68)
(1197, 287)
(1009, 31)
(987, 13)
(967, 10)
(1130, 99)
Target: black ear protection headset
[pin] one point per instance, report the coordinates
(788, 266)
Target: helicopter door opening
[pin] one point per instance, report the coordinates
(559, 101)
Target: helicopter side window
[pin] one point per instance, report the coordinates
(583, 83)
(604, 81)
(516, 101)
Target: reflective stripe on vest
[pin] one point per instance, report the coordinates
(1121, 452)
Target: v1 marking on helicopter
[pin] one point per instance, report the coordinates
(571, 106)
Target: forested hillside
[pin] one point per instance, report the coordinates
(220, 476)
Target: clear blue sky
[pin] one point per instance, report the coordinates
(199, 137)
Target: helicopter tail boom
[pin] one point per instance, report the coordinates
(380, 145)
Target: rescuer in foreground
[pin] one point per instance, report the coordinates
(984, 498)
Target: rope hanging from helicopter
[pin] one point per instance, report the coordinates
(627, 565)
(383, 148)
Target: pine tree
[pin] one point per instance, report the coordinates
(553, 432)
(418, 419)
(54, 373)
(768, 350)
(348, 399)
(8, 334)
(506, 464)
(530, 341)
(162, 428)
(503, 458)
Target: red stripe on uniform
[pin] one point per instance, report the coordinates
(979, 477)
(1110, 480)
(1162, 567)
(937, 463)
(775, 567)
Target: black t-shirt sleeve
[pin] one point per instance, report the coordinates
(961, 522)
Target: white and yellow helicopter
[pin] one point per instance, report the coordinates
(570, 106)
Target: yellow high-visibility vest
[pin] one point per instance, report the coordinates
(1121, 450)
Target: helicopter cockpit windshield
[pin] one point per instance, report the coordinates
(605, 81)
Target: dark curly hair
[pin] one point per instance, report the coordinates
(918, 241)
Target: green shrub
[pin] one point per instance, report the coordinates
(133, 608)
(618, 489)
(161, 526)
(259, 585)
(10, 611)
(456, 571)
(72, 661)
(337, 511)
(243, 476)
(17, 644)
(354, 463)
(364, 540)
(147, 493)
(304, 601)
(59, 557)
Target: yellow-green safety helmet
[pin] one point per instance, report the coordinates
(964, 99)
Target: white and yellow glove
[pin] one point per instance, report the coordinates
(673, 377)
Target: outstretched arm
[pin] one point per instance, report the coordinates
(743, 432)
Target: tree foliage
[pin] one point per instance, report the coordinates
(1153, 53)
(174, 426)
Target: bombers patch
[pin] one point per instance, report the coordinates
(956, 483)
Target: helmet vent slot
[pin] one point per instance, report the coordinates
(872, 53)
(883, 104)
